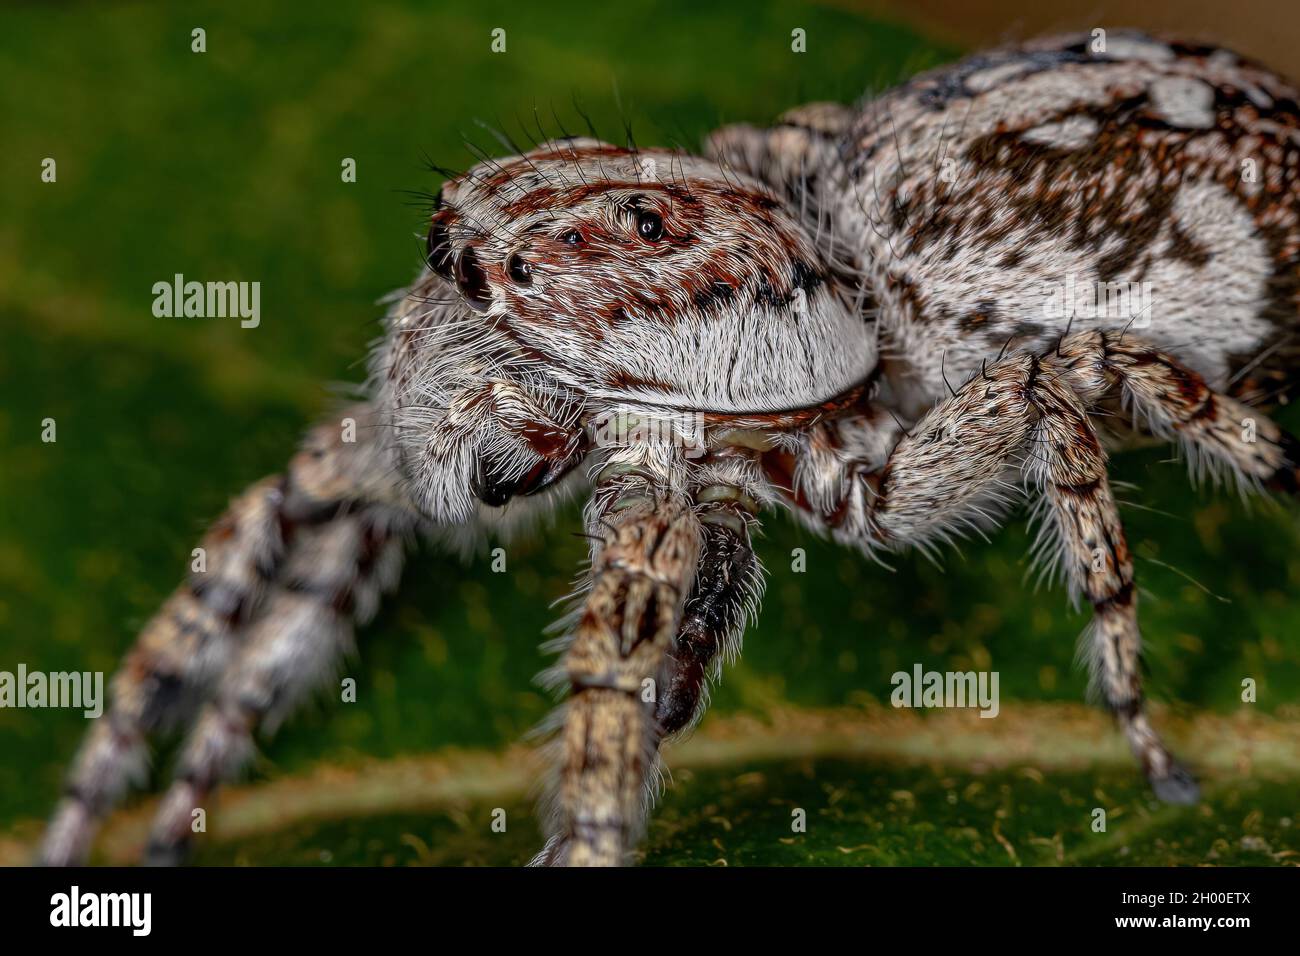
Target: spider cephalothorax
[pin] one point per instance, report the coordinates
(580, 281)
(578, 292)
(649, 276)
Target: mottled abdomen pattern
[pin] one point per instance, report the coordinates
(978, 196)
(986, 189)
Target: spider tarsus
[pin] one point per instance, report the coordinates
(158, 854)
(1178, 787)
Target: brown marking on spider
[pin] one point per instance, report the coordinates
(744, 303)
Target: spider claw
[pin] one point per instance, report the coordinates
(1177, 787)
(165, 854)
(491, 487)
(494, 487)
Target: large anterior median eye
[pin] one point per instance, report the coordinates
(649, 225)
(472, 281)
(439, 246)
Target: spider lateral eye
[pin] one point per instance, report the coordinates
(438, 245)
(571, 238)
(520, 269)
(650, 226)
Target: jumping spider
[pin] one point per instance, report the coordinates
(802, 299)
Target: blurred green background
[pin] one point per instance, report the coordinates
(226, 165)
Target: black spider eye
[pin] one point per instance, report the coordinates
(521, 271)
(472, 281)
(439, 246)
(571, 238)
(650, 226)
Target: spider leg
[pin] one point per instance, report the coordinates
(1220, 434)
(305, 626)
(641, 575)
(946, 476)
(803, 143)
(337, 507)
(332, 578)
(728, 582)
(674, 582)
(174, 657)
(1079, 511)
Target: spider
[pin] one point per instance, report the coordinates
(788, 313)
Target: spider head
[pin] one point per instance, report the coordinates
(650, 276)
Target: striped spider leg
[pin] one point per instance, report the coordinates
(673, 582)
(876, 486)
(288, 569)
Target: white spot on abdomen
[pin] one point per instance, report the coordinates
(1075, 132)
(1138, 48)
(987, 79)
(1183, 101)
